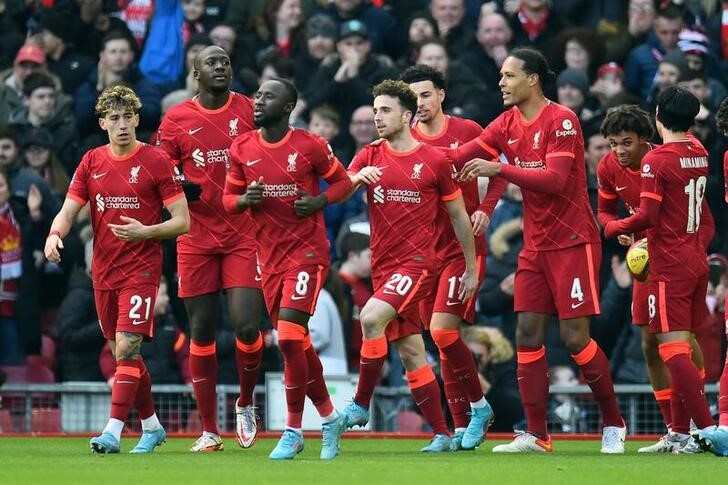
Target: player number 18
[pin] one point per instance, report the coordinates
(695, 189)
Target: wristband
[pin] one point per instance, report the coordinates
(55, 232)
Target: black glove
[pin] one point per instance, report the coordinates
(192, 190)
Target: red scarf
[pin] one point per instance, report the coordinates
(532, 27)
(10, 258)
(724, 31)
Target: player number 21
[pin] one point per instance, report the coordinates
(695, 190)
(136, 303)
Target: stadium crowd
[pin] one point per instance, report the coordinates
(57, 56)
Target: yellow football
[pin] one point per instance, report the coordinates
(638, 259)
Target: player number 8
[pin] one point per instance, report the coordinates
(651, 309)
(302, 283)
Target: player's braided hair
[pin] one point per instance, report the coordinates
(628, 117)
(399, 90)
(423, 72)
(535, 63)
(721, 117)
(117, 96)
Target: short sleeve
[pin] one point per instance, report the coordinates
(652, 183)
(359, 161)
(322, 158)
(447, 187)
(605, 180)
(168, 181)
(78, 189)
(565, 137)
(236, 175)
(490, 136)
(725, 173)
(168, 140)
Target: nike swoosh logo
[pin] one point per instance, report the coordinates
(195, 381)
(250, 163)
(619, 189)
(125, 382)
(192, 132)
(251, 369)
(420, 403)
(297, 297)
(577, 305)
(511, 141)
(258, 278)
(138, 322)
(452, 303)
(290, 388)
(98, 175)
(389, 292)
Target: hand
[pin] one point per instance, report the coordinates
(480, 222)
(133, 230)
(254, 195)
(110, 382)
(468, 285)
(621, 273)
(477, 167)
(343, 73)
(308, 204)
(625, 240)
(367, 175)
(507, 284)
(192, 190)
(53, 245)
(35, 199)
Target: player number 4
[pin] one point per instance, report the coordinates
(136, 303)
(576, 292)
(695, 189)
(399, 283)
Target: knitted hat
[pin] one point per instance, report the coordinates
(575, 78)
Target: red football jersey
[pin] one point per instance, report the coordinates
(455, 132)
(618, 182)
(200, 139)
(296, 162)
(404, 202)
(137, 186)
(551, 221)
(725, 177)
(676, 174)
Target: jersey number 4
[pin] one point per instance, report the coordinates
(695, 189)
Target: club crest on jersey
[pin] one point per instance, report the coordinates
(536, 140)
(198, 157)
(417, 170)
(292, 162)
(134, 175)
(233, 127)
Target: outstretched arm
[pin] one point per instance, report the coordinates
(60, 228)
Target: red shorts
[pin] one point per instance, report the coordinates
(640, 315)
(563, 282)
(297, 289)
(126, 310)
(404, 288)
(677, 305)
(200, 274)
(444, 298)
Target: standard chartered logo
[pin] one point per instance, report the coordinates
(116, 202)
(100, 203)
(198, 157)
(379, 194)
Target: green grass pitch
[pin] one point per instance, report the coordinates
(52, 461)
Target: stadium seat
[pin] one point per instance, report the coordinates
(6, 421)
(46, 420)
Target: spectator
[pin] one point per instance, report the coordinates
(327, 334)
(321, 36)
(493, 354)
(450, 18)
(279, 28)
(162, 59)
(608, 84)
(572, 88)
(96, 22)
(671, 66)
(11, 38)
(29, 59)
(345, 80)
(621, 38)
(79, 338)
(116, 64)
(58, 35)
(534, 25)
(578, 48)
(193, 12)
(643, 60)
(485, 59)
(40, 156)
(47, 108)
(361, 131)
(595, 147)
(567, 414)
(136, 14)
(466, 96)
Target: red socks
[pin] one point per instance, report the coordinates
(426, 392)
(595, 368)
(144, 403)
(663, 397)
(316, 386)
(247, 358)
(686, 382)
(723, 396)
(373, 353)
(124, 389)
(533, 384)
(460, 360)
(295, 370)
(457, 400)
(203, 370)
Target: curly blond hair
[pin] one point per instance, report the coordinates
(117, 96)
(500, 348)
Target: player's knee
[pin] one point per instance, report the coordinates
(650, 351)
(127, 348)
(202, 331)
(411, 356)
(528, 336)
(574, 341)
(246, 330)
(370, 323)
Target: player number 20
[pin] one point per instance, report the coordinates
(302, 283)
(399, 283)
(136, 302)
(695, 189)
